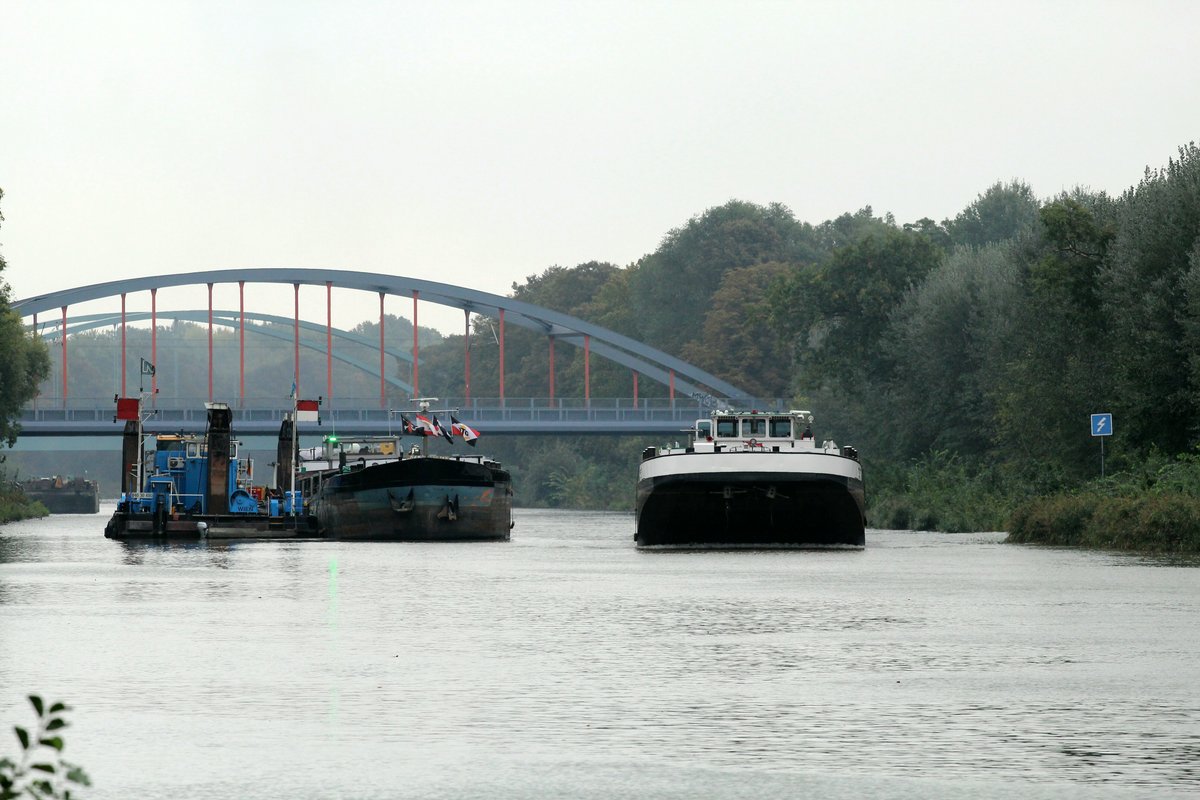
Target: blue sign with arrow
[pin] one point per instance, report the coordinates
(1102, 425)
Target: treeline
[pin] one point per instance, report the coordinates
(962, 357)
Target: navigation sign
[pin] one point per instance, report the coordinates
(1102, 425)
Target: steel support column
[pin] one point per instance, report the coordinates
(329, 339)
(635, 388)
(154, 346)
(210, 345)
(587, 369)
(35, 336)
(382, 372)
(502, 356)
(551, 338)
(123, 394)
(467, 353)
(241, 342)
(63, 332)
(296, 339)
(672, 388)
(416, 350)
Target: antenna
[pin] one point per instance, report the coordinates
(423, 402)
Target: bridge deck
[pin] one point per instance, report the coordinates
(513, 416)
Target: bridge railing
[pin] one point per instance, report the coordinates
(366, 409)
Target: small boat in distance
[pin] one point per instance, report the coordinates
(370, 488)
(751, 479)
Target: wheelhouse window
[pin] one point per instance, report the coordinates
(727, 427)
(781, 427)
(704, 429)
(755, 426)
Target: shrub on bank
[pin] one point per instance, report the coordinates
(938, 492)
(1161, 522)
(14, 505)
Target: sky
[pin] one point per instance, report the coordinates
(480, 143)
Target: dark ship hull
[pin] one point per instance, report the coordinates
(414, 499)
(60, 496)
(740, 500)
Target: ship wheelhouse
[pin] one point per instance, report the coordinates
(731, 431)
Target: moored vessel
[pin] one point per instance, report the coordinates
(751, 479)
(371, 488)
(64, 495)
(187, 486)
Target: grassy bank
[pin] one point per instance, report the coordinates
(1153, 506)
(939, 493)
(1149, 506)
(1157, 522)
(14, 505)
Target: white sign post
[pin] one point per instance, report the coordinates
(1102, 426)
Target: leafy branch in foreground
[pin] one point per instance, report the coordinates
(38, 773)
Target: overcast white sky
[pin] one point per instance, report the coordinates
(480, 143)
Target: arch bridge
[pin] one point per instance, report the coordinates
(689, 387)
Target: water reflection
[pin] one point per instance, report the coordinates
(945, 666)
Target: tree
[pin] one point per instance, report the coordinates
(23, 364)
(737, 342)
(948, 339)
(1004, 211)
(837, 313)
(672, 287)
(1063, 368)
(1147, 296)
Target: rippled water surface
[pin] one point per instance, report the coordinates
(565, 663)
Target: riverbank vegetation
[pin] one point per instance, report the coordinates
(962, 357)
(14, 505)
(23, 364)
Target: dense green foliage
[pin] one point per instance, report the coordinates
(1154, 507)
(23, 363)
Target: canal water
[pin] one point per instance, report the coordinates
(565, 663)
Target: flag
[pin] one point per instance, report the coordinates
(440, 431)
(128, 408)
(307, 410)
(293, 394)
(464, 430)
(147, 367)
(408, 427)
(424, 425)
